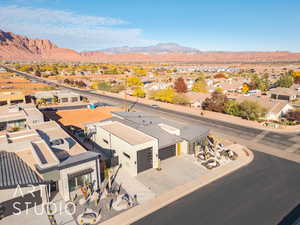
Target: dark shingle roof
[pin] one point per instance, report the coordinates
(14, 171)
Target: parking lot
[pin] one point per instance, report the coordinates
(175, 171)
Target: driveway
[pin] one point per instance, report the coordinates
(175, 171)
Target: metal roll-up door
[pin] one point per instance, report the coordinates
(167, 152)
(144, 159)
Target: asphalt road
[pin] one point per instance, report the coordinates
(262, 193)
(269, 139)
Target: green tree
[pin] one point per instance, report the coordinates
(285, 81)
(54, 100)
(232, 108)
(103, 86)
(261, 83)
(251, 110)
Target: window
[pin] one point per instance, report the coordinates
(128, 156)
(74, 99)
(76, 182)
(3, 126)
(64, 100)
(105, 141)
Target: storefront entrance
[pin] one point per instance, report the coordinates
(79, 180)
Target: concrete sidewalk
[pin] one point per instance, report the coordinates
(134, 187)
(140, 211)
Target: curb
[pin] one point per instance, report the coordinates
(138, 212)
(195, 114)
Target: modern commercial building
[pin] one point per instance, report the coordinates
(44, 154)
(39, 156)
(11, 98)
(57, 97)
(142, 140)
(19, 116)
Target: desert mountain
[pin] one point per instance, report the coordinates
(15, 47)
(153, 49)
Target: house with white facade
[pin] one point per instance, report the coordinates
(141, 140)
(45, 157)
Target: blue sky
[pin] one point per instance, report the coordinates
(231, 25)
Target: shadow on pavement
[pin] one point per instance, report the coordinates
(291, 218)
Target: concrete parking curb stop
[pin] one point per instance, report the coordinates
(132, 215)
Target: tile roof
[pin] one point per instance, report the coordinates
(14, 171)
(78, 117)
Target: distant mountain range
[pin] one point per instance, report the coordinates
(153, 49)
(15, 47)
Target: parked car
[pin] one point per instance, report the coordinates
(88, 218)
(154, 106)
(211, 163)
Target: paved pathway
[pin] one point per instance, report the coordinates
(29, 218)
(140, 211)
(134, 187)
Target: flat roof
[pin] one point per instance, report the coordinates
(149, 124)
(44, 153)
(9, 113)
(18, 112)
(128, 134)
(51, 130)
(37, 141)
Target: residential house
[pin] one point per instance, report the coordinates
(60, 96)
(11, 98)
(196, 98)
(19, 116)
(44, 154)
(281, 93)
(276, 109)
(141, 140)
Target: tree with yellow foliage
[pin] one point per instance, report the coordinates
(164, 95)
(245, 88)
(200, 86)
(134, 81)
(139, 92)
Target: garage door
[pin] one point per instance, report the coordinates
(144, 159)
(167, 152)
